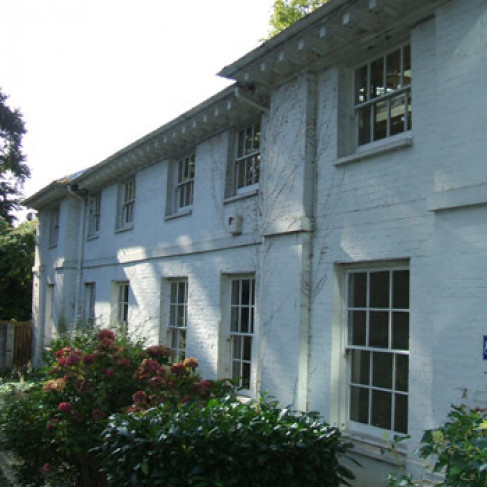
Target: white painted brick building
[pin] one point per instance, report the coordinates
(318, 229)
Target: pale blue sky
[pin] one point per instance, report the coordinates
(92, 76)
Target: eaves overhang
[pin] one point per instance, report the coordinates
(220, 112)
(339, 32)
(216, 114)
(51, 193)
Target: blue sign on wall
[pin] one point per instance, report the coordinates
(485, 347)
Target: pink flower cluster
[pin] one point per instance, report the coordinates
(65, 407)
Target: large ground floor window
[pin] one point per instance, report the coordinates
(377, 307)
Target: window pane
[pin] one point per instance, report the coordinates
(237, 347)
(357, 328)
(181, 292)
(240, 143)
(181, 317)
(382, 370)
(256, 145)
(379, 289)
(360, 373)
(379, 329)
(245, 383)
(244, 320)
(357, 290)
(393, 72)
(364, 115)
(400, 330)
(359, 404)
(381, 409)
(174, 292)
(401, 414)
(381, 114)
(361, 84)
(400, 289)
(377, 78)
(247, 348)
(235, 292)
(402, 373)
(248, 140)
(398, 114)
(234, 320)
(236, 370)
(174, 340)
(407, 73)
(245, 291)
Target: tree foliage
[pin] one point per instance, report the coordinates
(287, 12)
(13, 168)
(16, 260)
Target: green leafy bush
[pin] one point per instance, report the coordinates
(89, 375)
(223, 442)
(459, 448)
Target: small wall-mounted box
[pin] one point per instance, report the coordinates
(234, 224)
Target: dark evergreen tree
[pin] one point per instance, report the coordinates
(13, 168)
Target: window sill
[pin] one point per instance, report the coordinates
(183, 212)
(92, 237)
(374, 447)
(241, 196)
(124, 229)
(52, 246)
(373, 149)
(456, 198)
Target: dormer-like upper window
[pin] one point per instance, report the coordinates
(247, 161)
(126, 201)
(383, 101)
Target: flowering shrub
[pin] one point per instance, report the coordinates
(222, 442)
(88, 376)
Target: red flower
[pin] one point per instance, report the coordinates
(45, 469)
(52, 423)
(65, 407)
(72, 359)
(89, 358)
(156, 381)
(123, 361)
(139, 397)
(61, 361)
(106, 335)
(203, 387)
(178, 368)
(109, 372)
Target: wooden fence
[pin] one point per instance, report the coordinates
(15, 343)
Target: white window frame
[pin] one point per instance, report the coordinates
(184, 187)
(121, 302)
(126, 204)
(90, 302)
(53, 227)
(386, 100)
(373, 354)
(247, 163)
(177, 317)
(94, 214)
(242, 336)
